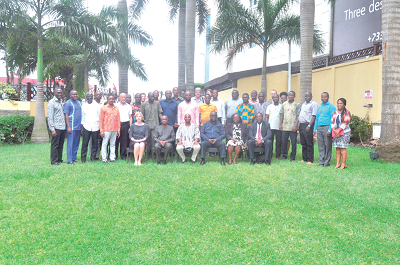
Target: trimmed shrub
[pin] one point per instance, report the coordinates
(16, 129)
(361, 129)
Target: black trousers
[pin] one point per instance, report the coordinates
(307, 143)
(85, 142)
(277, 134)
(293, 140)
(57, 144)
(122, 140)
(219, 144)
(167, 150)
(267, 145)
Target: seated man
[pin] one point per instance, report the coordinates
(260, 135)
(164, 136)
(188, 137)
(212, 133)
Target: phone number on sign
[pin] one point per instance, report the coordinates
(377, 36)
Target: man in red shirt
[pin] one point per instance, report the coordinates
(110, 126)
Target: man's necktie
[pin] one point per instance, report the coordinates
(259, 132)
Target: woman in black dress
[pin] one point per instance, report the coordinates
(138, 134)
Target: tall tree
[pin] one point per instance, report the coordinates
(266, 25)
(307, 13)
(190, 43)
(123, 80)
(389, 149)
(202, 13)
(307, 10)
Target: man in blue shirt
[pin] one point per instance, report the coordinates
(322, 129)
(212, 133)
(170, 109)
(73, 119)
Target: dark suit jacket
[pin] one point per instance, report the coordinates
(266, 133)
(229, 131)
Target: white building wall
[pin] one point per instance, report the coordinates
(251, 58)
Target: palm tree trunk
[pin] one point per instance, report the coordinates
(307, 10)
(181, 45)
(86, 74)
(39, 133)
(123, 70)
(264, 74)
(190, 43)
(389, 147)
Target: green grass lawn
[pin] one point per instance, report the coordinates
(288, 213)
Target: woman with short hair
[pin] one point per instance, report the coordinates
(236, 137)
(138, 134)
(341, 131)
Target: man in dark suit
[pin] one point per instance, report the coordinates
(260, 135)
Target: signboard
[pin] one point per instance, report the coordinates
(357, 24)
(368, 94)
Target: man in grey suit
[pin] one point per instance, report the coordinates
(260, 135)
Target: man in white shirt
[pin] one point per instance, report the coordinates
(220, 106)
(198, 99)
(273, 118)
(125, 112)
(90, 127)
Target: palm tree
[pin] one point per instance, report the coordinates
(50, 16)
(202, 13)
(122, 23)
(190, 43)
(307, 12)
(390, 134)
(129, 31)
(266, 25)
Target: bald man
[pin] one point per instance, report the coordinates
(90, 127)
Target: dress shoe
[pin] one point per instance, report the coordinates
(192, 161)
(76, 161)
(92, 160)
(183, 161)
(70, 163)
(83, 162)
(252, 162)
(164, 162)
(105, 162)
(112, 161)
(268, 163)
(222, 162)
(55, 164)
(202, 162)
(158, 162)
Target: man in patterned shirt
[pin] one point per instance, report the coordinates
(110, 125)
(56, 121)
(73, 119)
(289, 112)
(137, 105)
(246, 110)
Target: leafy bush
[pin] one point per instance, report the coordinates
(16, 129)
(361, 129)
(7, 92)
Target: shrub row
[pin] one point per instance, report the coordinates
(16, 129)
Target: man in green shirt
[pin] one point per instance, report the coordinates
(152, 112)
(290, 112)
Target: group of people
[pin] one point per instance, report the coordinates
(192, 125)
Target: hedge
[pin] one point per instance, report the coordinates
(16, 129)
